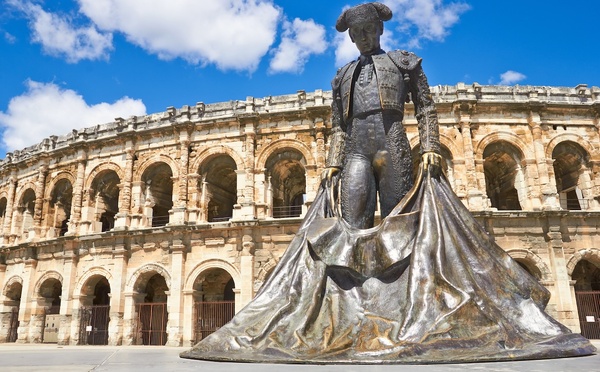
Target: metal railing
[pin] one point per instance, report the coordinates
(287, 211)
(152, 323)
(210, 316)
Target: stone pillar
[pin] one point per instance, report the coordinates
(244, 208)
(246, 286)
(565, 305)
(130, 321)
(27, 304)
(123, 218)
(40, 189)
(179, 214)
(175, 322)
(117, 297)
(6, 228)
(189, 299)
(475, 197)
(546, 181)
(69, 272)
(77, 202)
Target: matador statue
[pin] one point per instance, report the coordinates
(425, 285)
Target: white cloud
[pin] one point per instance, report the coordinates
(45, 109)
(300, 40)
(511, 77)
(60, 37)
(431, 18)
(10, 38)
(232, 34)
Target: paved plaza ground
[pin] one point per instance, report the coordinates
(51, 357)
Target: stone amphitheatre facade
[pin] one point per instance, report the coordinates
(155, 229)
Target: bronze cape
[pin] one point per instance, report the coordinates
(427, 285)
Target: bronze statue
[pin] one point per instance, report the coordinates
(369, 141)
(427, 284)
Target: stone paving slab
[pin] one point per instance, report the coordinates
(51, 357)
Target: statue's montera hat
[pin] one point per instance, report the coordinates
(363, 13)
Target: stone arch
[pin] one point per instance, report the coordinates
(286, 170)
(534, 260)
(278, 145)
(109, 166)
(15, 279)
(218, 188)
(94, 271)
(145, 272)
(450, 144)
(22, 190)
(511, 138)
(590, 254)
(505, 171)
(56, 179)
(212, 264)
(46, 276)
(572, 137)
(572, 172)
(208, 153)
(152, 160)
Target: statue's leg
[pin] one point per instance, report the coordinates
(394, 169)
(359, 192)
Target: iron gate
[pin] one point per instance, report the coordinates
(93, 325)
(210, 316)
(588, 308)
(13, 326)
(152, 323)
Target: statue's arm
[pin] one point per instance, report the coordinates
(337, 140)
(425, 112)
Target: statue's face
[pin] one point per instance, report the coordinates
(366, 36)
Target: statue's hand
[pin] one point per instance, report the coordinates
(329, 173)
(432, 161)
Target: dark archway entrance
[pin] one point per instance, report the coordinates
(587, 292)
(12, 304)
(94, 317)
(152, 312)
(215, 302)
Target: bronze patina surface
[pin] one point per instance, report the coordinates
(427, 284)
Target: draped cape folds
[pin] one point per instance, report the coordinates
(427, 285)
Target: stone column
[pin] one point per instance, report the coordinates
(246, 286)
(475, 197)
(175, 322)
(546, 181)
(130, 326)
(28, 303)
(123, 218)
(69, 272)
(117, 297)
(6, 228)
(244, 208)
(189, 299)
(564, 288)
(179, 214)
(77, 196)
(40, 189)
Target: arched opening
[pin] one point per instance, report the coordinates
(25, 213)
(219, 189)
(50, 293)
(530, 267)
(151, 309)
(12, 304)
(59, 213)
(158, 192)
(104, 197)
(287, 183)
(586, 275)
(214, 304)
(570, 163)
(94, 312)
(504, 178)
(3, 203)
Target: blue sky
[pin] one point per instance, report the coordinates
(70, 64)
